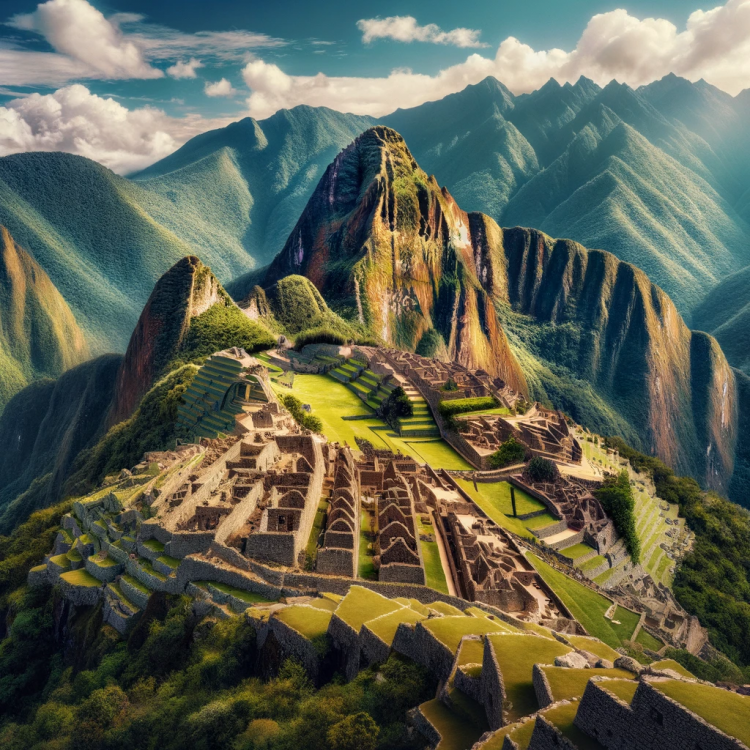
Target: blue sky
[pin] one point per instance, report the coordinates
(127, 80)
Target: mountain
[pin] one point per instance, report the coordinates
(251, 179)
(390, 250)
(104, 413)
(39, 336)
(612, 168)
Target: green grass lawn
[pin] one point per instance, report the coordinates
(450, 630)
(729, 712)
(494, 499)
(516, 655)
(674, 665)
(249, 597)
(361, 605)
(80, 577)
(317, 527)
(648, 641)
(153, 545)
(331, 401)
(136, 584)
(562, 717)
(365, 566)
(444, 608)
(385, 627)
(570, 683)
(472, 652)
(623, 689)
(433, 567)
(593, 646)
(587, 606)
(576, 551)
(457, 732)
(312, 622)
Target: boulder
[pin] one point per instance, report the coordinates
(573, 660)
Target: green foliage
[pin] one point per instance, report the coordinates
(541, 470)
(713, 579)
(152, 427)
(616, 497)
(449, 385)
(355, 732)
(510, 452)
(218, 328)
(716, 669)
(395, 407)
(465, 405)
(301, 417)
(432, 344)
(318, 336)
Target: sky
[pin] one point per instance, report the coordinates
(126, 82)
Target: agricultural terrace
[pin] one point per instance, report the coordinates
(332, 401)
(433, 565)
(451, 629)
(567, 683)
(588, 606)
(361, 605)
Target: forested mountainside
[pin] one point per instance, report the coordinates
(657, 176)
(581, 329)
(39, 337)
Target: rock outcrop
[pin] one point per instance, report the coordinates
(39, 336)
(185, 291)
(384, 243)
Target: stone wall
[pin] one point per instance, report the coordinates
(546, 736)
(542, 687)
(336, 561)
(492, 688)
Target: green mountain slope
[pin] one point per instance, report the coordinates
(39, 336)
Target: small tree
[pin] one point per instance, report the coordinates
(356, 732)
(541, 470)
(510, 452)
(450, 385)
(396, 406)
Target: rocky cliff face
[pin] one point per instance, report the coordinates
(388, 248)
(39, 337)
(626, 338)
(182, 293)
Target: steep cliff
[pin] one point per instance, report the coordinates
(609, 326)
(390, 250)
(185, 293)
(39, 337)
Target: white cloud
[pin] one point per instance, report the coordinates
(219, 88)
(79, 122)
(406, 29)
(82, 33)
(714, 45)
(185, 69)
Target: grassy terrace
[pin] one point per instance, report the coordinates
(80, 577)
(153, 545)
(317, 527)
(457, 733)
(444, 608)
(576, 551)
(648, 641)
(385, 627)
(331, 401)
(249, 597)
(433, 566)
(593, 646)
(136, 584)
(729, 712)
(450, 630)
(623, 689)
(494, 499)
(365, 565)
(570, 683)
(361, 605)
(588, 606)
(516, 655)
(676, 666)
(312, 622)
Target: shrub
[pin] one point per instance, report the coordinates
(541, 470)
(465, 405)
(510, 452)
(616, 498)
(356, 732)
(449, 385)
(301, 417)
(396, 406)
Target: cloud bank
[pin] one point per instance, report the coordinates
(79, 122)
(406, 29)
(714, 45)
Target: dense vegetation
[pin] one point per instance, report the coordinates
(395, 407)
(713, 580)
(616, 497)
(465, 405)
(302, 417)
(70, 683)
(541, 470)
(510, 452)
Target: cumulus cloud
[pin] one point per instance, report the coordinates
(79, 122)
(185, 69)
(82, 33)
(219, 88)
(406, 29)
(714, 45)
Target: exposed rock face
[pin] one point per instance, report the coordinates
(628, 340)
(39, 337)
(386, 245)
(182, 293)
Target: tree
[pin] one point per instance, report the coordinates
(356, 732)
(616, 497)
(510, 452)
(396, 406)
(541, 470)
